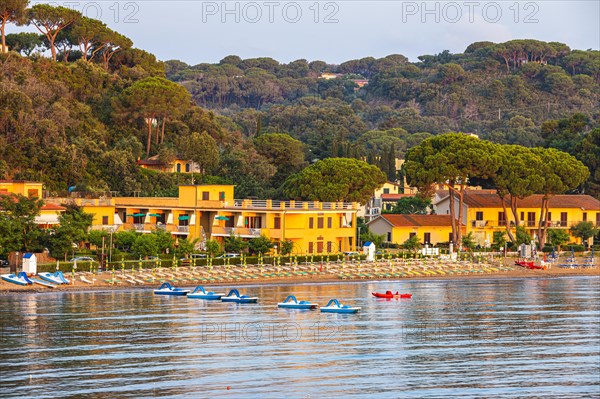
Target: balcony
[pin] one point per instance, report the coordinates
(288, 205)
(479, 223)
(183, 229)
(244, 232)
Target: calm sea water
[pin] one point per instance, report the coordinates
(477, 338)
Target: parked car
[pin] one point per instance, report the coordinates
(228, 255)
(4, 263)
(351, 253)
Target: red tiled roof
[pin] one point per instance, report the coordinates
(395, 197)
(418, 220)
(487, 200)
(52, 207)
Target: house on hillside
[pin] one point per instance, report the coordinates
(177, 166)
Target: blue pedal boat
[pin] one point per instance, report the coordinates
(20, 279)
(167, 289)
(234, 296)
(292, 303)
(200, 293)
(334, 306)
(54, 278)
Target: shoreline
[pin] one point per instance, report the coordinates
(414, 272)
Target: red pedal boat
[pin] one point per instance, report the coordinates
(390, 294)
(529, 265)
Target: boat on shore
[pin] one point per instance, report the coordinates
(167, 289)
(55, 278)
(200, 293)
(334, 306)
(20, 278)
(529, 265)
(390, 295)
(234, 296)
(292, 303)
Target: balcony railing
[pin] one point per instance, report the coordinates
(238, 231)
(183, 229)
(275, 204)
(525, 223)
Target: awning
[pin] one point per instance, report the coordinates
(184, 217)
(221, 217)
(155, 214)
(139, 214)
(46, 219)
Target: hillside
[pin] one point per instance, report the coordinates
(83, 122)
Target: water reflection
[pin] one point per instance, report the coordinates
(491, 338)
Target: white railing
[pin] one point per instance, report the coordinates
(276, 204)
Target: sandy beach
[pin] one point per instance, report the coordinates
(253, 275)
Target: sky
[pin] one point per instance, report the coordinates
(196, 31)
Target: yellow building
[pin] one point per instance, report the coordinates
(430, 229)
(212, 212)
(483, 213)
(49, 213)
(25, 188)
(177, 166)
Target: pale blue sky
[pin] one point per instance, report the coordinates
(206, 31)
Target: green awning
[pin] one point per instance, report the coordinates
(184, 217)
(155, 214)
(221, 218)
(139, 214)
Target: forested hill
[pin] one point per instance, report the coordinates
(503, 92)
(82, 121)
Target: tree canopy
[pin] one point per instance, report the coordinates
(336, 179)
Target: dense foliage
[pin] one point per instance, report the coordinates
(82, 121)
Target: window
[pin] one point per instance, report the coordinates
(522, 216)
(389, 236)
(205, 195)
(310, 247)
(530, 219)
(104, 220)
(222, 196)
(319, 223)
(253, 222)
(311, 223)
(585, 216)
(549, 218)
(32, 193)
(329, 246)
(501, 219)
(187, 167)
(478, 215)
(329, 222)
(320, 247)
(341, 221)
(411, 235)
(427, 238)
(178, 168)
(386, 190)
(598, 219)
(450, 237)
(563, 219)
(277, 222)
